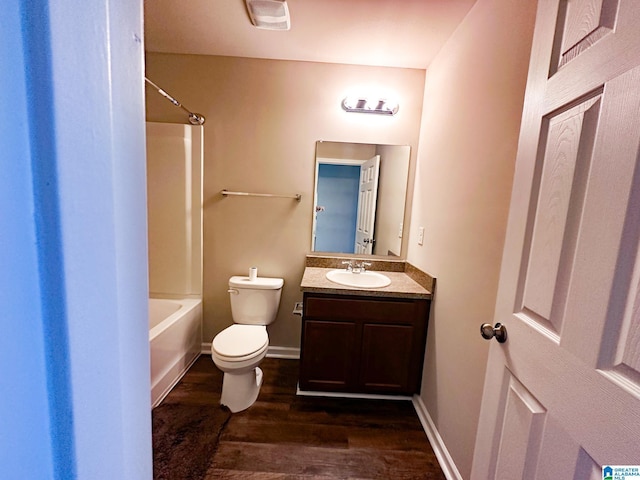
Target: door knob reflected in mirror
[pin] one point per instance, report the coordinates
(498, 331)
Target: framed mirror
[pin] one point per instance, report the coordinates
(360, 197)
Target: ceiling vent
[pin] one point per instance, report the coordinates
(269, 14)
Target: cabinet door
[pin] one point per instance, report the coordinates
(386, 358)
(327, 356)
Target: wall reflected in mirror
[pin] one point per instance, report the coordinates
(359, 198)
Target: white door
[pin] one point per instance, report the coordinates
(367, 198)
(562, 394)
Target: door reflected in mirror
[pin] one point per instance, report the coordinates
(359, 198)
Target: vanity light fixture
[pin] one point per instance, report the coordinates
(365, 105)
(269, 14)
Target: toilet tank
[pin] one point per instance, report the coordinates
(255, 302)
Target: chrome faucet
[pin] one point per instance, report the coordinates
(361, 267)
(349, 265)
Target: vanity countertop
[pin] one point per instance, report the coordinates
(402, 285)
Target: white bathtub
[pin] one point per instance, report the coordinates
(175, 338)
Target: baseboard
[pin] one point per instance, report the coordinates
(364, 396)
(442, 454)
(289, 353)
(274, 351)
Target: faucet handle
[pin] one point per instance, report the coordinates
(349, 265)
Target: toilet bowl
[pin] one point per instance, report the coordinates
(239, 349)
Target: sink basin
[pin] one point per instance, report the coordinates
(360, 280)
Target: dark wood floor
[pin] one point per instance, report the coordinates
(284, 436)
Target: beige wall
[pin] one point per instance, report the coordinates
(390, 211)
(263, 120)
(471, 116)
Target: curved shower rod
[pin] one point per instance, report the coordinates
(194, 118)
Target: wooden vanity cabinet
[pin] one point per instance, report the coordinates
(358, 344)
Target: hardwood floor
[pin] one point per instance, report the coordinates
(285, 436)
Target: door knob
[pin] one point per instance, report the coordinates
(498, 331)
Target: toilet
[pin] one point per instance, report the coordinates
(239, 349)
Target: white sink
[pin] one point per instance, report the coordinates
(360, 280)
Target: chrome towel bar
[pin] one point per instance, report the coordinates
(226, 193)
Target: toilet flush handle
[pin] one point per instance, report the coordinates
(233, 291)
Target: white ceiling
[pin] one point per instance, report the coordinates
(393, 33)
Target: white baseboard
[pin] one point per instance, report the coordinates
(442, 454)
(273, 352)
(289, 353)
(364, 396)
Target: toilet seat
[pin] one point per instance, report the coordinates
(240, 342)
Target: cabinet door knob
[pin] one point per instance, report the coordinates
(498, 331)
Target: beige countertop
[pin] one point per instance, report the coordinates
(402, 285)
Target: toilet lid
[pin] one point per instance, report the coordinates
(240, 340)
(259, 283)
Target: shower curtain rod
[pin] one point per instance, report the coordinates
(194, 118)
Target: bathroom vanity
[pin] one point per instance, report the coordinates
(357, 340)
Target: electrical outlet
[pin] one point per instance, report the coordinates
(420, 235)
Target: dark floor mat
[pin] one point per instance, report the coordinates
(185, 438)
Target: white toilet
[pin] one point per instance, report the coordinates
(239, 349)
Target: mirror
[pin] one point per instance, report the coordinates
(359, 198)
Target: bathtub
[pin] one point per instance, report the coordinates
(175, 338)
